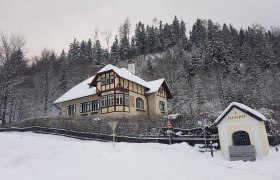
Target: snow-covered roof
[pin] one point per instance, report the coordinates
(83, 89)
(124, 73)
(242, 107)
(80, 90)
(154, 85)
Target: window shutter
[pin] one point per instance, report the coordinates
(132, 101)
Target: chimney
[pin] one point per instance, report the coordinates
(131, 66)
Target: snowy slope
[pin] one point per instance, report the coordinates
(28, 156)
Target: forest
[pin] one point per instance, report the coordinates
(206, 67)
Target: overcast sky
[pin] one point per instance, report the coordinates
(53, 24)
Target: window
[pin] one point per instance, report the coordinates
(103, 81)
(161, 105)
(112, 79)
(71, 109)
(107, 80)
(139, 103)
(126, 100)
(119, 99)
(104, 101)
(95, 105)
(110, 99)
(84, 107)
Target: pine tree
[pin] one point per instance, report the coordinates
(83, 52)
(175, 31)
(133, 51)
(151, 40)
(140, 39)
(183, 38)
(63, 71)
(167, 34)
(198, 34)
(124, 40)
(98, 53)
(106, 56)
(200, 96)
(150, 69)
(161, 37)
(115, 53)
(88, 51)
(74, 52)
(124, 48)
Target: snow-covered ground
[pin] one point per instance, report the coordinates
(29, 156)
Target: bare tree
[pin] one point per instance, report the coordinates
(95, 34)
(128, 27)
(11, 70)
(44, 81)
(107, 36)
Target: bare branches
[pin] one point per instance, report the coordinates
(95, 34)
(11, 66)
(17, 41)
(107, 36)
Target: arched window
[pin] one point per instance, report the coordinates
(241, 138)
(139, 103)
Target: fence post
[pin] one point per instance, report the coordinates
(205, 139)
(211, 146)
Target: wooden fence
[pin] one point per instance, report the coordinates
(191, 139)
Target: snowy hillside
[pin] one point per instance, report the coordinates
(28, 156)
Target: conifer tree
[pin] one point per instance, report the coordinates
(199, 94)
(89, 53)
(167, 36)
(63, 71)
(198, 34)
(175, 31)
(133, 47)
(140, 39)
(151, 39)
(115, 52)
(183, 38)
(124, 40)
(161, 37)
(124, 48)
(150, 69)
(98, 53)
(74, 52)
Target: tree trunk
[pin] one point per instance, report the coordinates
(11, 110)
(3, 116)
(46, 94)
